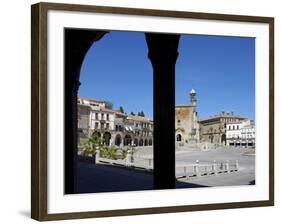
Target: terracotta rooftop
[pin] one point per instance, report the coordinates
(135, 117)
(91, 99)
(222, 115)
(139, 118)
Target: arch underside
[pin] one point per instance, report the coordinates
(162, 54)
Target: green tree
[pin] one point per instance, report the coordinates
(108, 105)
(132, 113)
(124, 153)
(90, 146)
(121, 109)
(141, 114)
(111, 152)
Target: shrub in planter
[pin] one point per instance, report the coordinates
(89, 147)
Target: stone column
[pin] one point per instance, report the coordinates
(111, 142)
(76, 44)
(163, 53)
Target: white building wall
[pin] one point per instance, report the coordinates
(240, 133)
(96, 119)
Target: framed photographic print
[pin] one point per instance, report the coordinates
(138, 111)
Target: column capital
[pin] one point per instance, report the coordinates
(162, 48)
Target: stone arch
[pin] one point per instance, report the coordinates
(150, 142)
(106, 138)
(223, 139)
(180, 130)
(118, 140)
(136, 142)
(211, 137)
(96, 134)
(141, 142)
(145, 142)
(179, 134)
(161, 46)
(179, 137)
(127, 140)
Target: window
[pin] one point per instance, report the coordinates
(179, 121)
(107, 117)
(96, 125)
(107, 126)
(102, 116)
(97, 116)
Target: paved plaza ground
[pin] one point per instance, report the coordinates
(108, 178)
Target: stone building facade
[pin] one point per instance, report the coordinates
(121, 129)
(114, 127)
(213, 129)
(186, 122)
(241, 133)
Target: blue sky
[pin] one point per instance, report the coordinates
(220, 69)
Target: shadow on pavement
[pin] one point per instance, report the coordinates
(93, 178)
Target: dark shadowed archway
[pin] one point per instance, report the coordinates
(162, 52)
(179, 138)
(118, 140)
(223, 139)
(96, 134)
(106, 138)
(127, 140)
(145, 142)
(136, 142)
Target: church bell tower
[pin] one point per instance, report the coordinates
(192, 97)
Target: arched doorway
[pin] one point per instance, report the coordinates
(141, 142)
(223, 139)
(118, 140)
(145, 142)
(106, 138)
(96, 135)
(127, 140)
(136, 142)
(150, 142)
(179, 138)
(163, 46)
(211, 137)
